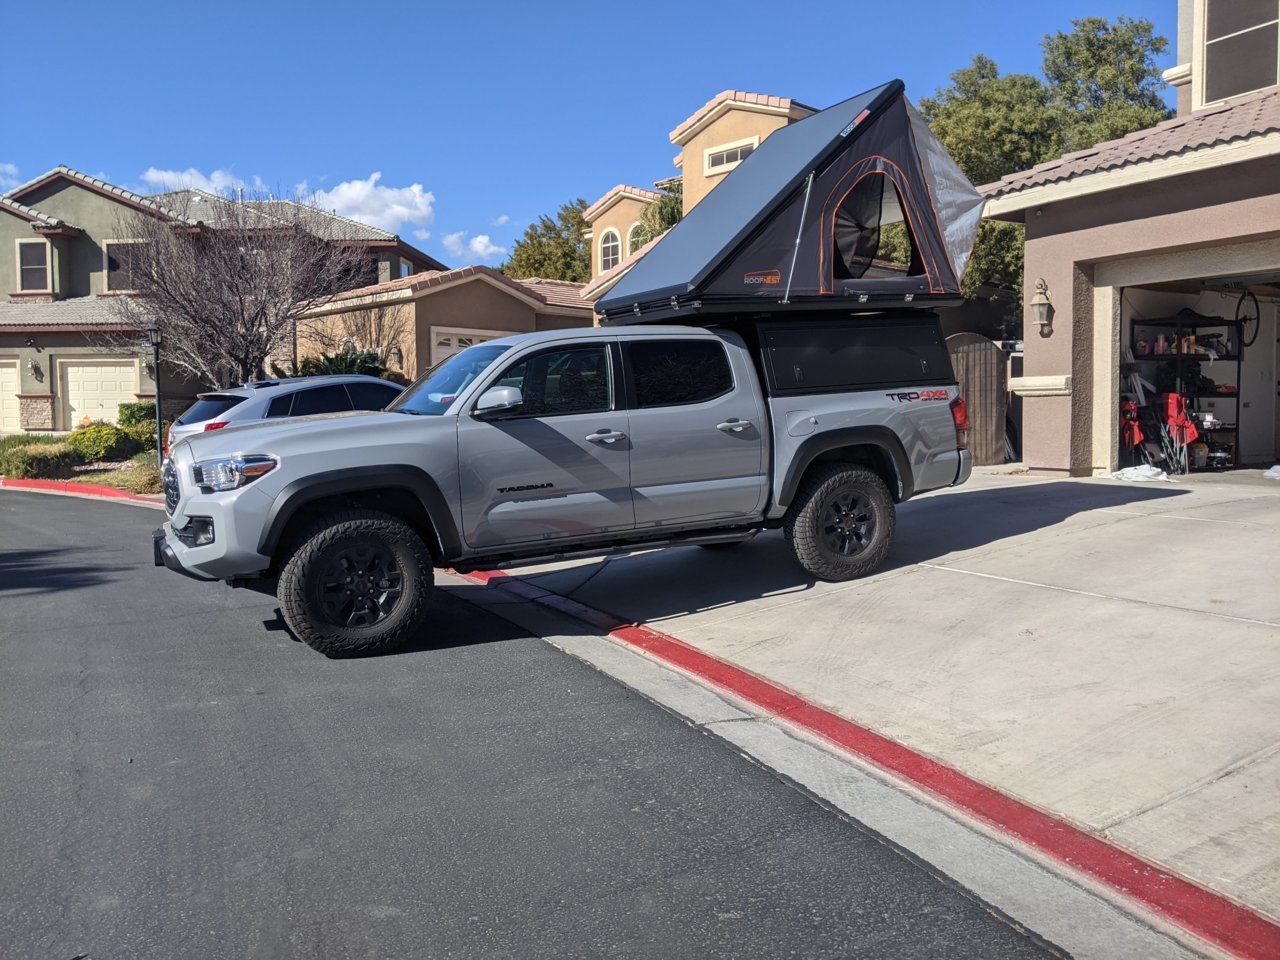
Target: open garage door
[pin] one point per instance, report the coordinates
(10, 419)
(94, 389)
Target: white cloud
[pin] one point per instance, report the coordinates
(502, 221)
(481, 246)
(8, 177)
(422, 234)
(220, 182)
(453, 242)
(379, 206)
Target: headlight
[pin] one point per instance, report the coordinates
(214, 475)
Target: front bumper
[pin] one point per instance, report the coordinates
(165, 557)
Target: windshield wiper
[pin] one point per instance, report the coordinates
(415, 413)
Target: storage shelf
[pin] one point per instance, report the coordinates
(1152, 357)
(1185, 324)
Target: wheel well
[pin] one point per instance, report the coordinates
(869, 455)
(395, 501)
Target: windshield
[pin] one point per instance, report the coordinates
(431, 394)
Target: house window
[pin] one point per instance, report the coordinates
(33, 265)
(610, 250)
(635, 239)
(722, 159)
(406, 268)
(123, 261)
(1240, 50)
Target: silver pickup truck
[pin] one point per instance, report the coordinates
(571, 443)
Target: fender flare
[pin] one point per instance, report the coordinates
(880, 437)
(318, 486)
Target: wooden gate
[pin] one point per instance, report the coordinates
(981, 368)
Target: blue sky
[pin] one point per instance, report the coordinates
(455, 125)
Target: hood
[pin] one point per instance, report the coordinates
(333, 431)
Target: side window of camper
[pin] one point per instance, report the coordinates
(841, 356)
(872, 236)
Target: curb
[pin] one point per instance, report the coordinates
(1210, 916)
(72, 489)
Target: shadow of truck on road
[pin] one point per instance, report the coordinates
(661, 584)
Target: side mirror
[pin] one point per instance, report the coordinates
(497, 401)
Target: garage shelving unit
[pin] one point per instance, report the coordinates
(1181, 336)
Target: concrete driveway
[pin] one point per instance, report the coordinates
(1106, 651)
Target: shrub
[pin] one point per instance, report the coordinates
(134, 414)
(145, 478)
(15, 440)
(44, 461)
(102, 441)
(143, 435)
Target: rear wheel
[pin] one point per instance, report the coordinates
(356, 584)
(841, 525)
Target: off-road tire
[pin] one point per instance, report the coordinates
(813, 525)
(329, 542)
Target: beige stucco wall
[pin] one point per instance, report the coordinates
(734, 125)
(1202, 224)
(621, 216)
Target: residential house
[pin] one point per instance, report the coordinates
(711, 142)
(419, 320)
(1125, 236)
(61, 263)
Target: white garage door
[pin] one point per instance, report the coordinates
(95, 389)
(446, 341)
(10, 422)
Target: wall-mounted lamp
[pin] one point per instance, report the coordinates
(33, 368)
(395, 357)
(1042, 308)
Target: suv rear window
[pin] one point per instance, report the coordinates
(855, 355)
(209, 406)
(371, 396)
(330, 399)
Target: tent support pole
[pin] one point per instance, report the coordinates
(804, 209)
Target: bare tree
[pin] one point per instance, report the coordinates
(227, 281)
(386, 329)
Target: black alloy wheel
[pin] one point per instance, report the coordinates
(360, 583)
(848, 522)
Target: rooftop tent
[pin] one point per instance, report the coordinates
(857, 204)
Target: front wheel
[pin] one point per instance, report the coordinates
(841, 525)
(356, 584)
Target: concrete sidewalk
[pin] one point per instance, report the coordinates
(1108, 652)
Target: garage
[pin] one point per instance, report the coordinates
(94, 389)
(10, 420)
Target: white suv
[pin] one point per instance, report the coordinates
(288, 397)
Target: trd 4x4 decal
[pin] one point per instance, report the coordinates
(917, 395)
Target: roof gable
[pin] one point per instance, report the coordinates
(621, 192)
(727, 100)
(112, 192)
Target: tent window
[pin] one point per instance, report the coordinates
(610, 250)
(871, 237)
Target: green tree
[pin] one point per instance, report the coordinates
(664, 213)
(553, 249)
(1100, 82)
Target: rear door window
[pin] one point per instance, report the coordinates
(668, 373)
(328, 399)
(371, 396)
(209, 406)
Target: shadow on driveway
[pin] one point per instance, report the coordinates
(668, 583)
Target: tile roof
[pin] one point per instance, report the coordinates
(323, 223)
(624, 190)
(551, 293)
(77, 312)
(62, 170)
(31, 214)
(738, 96)
(557, 293)
(1242, 119)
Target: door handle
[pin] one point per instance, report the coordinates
(606, 436)
(733, 425)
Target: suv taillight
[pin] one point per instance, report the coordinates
(215, 425)
(960, 414)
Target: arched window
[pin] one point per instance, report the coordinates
(871, 237)
(635, 238)
(610, 250)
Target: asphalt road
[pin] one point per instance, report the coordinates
(179, 780)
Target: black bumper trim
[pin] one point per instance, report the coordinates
(165, 557)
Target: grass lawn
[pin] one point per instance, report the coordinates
(137, 475)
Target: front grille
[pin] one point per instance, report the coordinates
(171, 492)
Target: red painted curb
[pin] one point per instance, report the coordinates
(70, 486)
(1208, 915)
